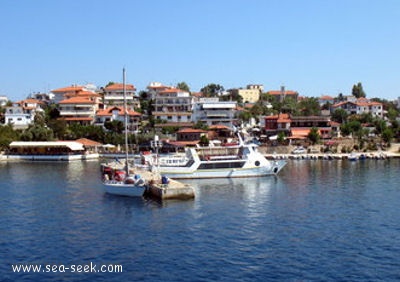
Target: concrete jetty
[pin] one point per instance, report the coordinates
(171, 190)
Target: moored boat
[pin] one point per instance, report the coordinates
(119, 181)
(240, 160)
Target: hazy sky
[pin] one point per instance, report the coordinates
(315, 47)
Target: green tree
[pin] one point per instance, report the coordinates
(309, 107)
(281, 137)
(59, 127)
(358, 91)
(183, 86)
(313, 135)
(350, 127)
(201, 125)
(7, 135)
(387, 135)
(212, 90)
(116, 126)
(339, 115)
(204, 140)
(37, 132)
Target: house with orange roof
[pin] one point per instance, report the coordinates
(275, 124)
(325, 99)
(22, 113)
(59, 94)
(154, 88)
(300, 126)
(360, 106)
(280, 95)
(114, 95)
(190, 134)
(174, 106)
(77, 109)
(118, 113)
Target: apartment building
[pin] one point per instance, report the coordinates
(211, 111)
(114, 95)
(173, 106)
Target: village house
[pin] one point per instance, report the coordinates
(77, 109)
(21, 114)
(360, 106)
(155, 88)
(114, 95)
(117, 113)
(62, 93)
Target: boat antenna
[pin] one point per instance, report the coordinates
(126, 123)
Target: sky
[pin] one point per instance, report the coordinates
(314, 47)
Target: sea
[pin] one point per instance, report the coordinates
(318, 220)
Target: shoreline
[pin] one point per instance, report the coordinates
(269, 156)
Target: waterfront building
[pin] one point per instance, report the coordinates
(190, 134)
(300, 126)
(360, 106)
(114, 95)
(78, 109)
(173, 106)
(21, 114)
(118, 113)
(274, 124)
(211, 111)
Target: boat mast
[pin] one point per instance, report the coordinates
(126, 123)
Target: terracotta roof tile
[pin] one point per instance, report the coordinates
(120, 86)
(77, 100)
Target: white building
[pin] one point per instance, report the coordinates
(114, 95)
(21, 114)
(360, 106)
(214, 112)
(155, 88)
(173, 105)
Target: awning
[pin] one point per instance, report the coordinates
(74, 146)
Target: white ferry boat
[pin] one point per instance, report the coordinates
(241, 160)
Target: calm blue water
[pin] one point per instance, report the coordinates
(316, 221)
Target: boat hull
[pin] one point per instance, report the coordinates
(223, 173)
(122, 189)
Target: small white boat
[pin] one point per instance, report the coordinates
(352, 157)
(119, 181)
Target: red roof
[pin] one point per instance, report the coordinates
(191, 130)
(326, 97)
(218, 126)
(88, 142)
(109, 110)
(279, 92)
(120, 86)
(77, 100)
(73, 88)
(77, 118)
